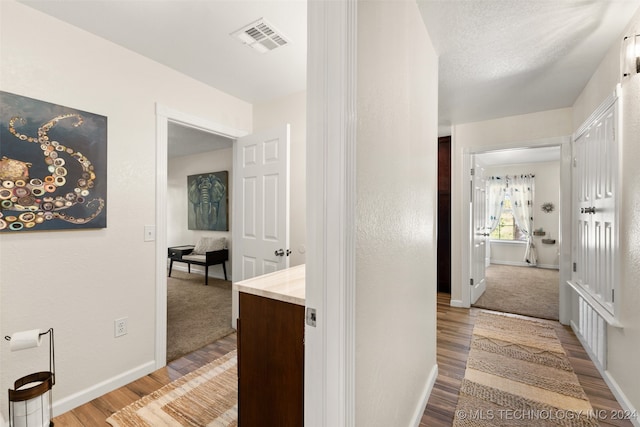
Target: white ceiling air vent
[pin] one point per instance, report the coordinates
(261, 35)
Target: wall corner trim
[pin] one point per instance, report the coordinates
(329, 393)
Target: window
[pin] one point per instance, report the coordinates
(507, 228)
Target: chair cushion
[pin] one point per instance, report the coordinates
(197, 258)
(208, 244)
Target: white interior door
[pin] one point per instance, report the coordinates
(261, 203)
(260, 206)
(479, 233)
(595, 193)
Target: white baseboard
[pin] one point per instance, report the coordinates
(457, 303)
(417, 415)
(68, 403)
(622, 399)
(524, 264)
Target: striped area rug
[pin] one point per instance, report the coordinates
(205, 397)
(518, 374)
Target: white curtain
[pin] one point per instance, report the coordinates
(496, 189)
(521, 191)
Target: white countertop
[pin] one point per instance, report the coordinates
(285, 285)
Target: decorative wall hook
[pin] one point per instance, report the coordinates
(547, 207)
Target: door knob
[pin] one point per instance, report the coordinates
(279, 252)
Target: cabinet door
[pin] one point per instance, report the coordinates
(271, 363)
(594, 189)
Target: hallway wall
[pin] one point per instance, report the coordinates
(396, 208)
(79, 282)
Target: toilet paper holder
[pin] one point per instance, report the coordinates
(27, 403)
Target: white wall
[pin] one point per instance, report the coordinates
(506, 132)
(177, 200)
(396, 162)
(291, 109)
(601, 84)
(547, 176)
(624, 343)
(79, 282)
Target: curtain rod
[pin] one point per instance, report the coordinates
(507, 177)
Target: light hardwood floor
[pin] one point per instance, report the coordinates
(455, 326)
(95, 413)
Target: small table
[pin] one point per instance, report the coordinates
(176, 253)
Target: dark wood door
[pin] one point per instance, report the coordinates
(444, 214)
(270, 363)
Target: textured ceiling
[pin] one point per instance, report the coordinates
(186, 141)
(497, 57)
(506, 57)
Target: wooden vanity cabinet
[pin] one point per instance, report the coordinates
(270, 362)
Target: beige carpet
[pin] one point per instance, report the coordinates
(205, 397)
(196, 314)
(528, 291)
(518, 374)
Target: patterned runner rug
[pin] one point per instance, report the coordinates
(519, 375)
(205, 397)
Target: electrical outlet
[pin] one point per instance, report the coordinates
(120, 327)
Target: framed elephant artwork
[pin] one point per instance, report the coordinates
(53, 166)
(208, 204)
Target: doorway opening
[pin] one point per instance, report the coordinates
(516, 264)
(164, 117)
(197, 314)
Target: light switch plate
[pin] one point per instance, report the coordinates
(149, 233)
